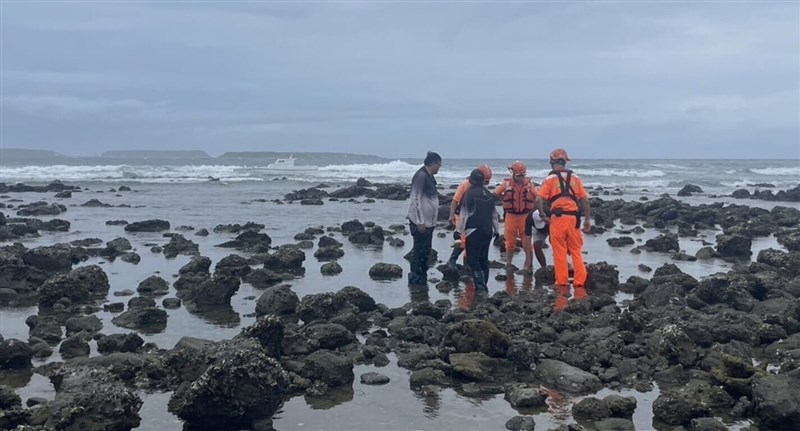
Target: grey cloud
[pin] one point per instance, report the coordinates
(396, 79)
(61, 105)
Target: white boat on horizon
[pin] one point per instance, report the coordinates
(287, 166)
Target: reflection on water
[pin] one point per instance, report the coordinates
(563, 295)
(477, 392)
(470, 297)
(431, 401)
(465, 299)
(514, 286)
(559, 406)
(332, 398)
(16, 378)
(418, 292)
(223, 316)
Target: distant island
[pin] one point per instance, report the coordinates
(11, 155)
(320, 158)
(20, 157)
(156, 154)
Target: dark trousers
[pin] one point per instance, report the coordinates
(478, 255)
(419, 254)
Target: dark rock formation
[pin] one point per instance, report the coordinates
(620, 241)
(262, 278)
(328, 367)
(145, 319)
(331, 268)
(153, 225)
(689, 189)
(477, 336)
(79, 286)
(250, 240)
(736, 246)
(285, 259)
(41, 209)
(180, 245)
(566, 377)
(666, 243)
(15, 354)
(385, 271)
(241, 389)
(213, 292)
(197, 264)
(130, 342)
(153, 285)
(279, 300)
(324, 254)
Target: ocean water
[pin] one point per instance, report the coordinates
(184, 195)
(715, 177)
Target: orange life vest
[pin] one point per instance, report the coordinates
(518, 198)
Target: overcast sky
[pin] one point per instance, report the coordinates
(395, 79)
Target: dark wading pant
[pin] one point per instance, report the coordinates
(478, 255)
(419, 255)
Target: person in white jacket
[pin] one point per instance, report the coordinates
(422, 215)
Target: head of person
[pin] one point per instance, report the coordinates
(518, 171)
(476, 177)
(433, 161)
(487, 173)
(558, 158)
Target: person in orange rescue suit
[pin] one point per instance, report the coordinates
(569, 203)
(455, 219)
(518, 194)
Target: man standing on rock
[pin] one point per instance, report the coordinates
(568, 203)
(422, 215)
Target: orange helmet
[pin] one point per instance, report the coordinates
(518, 168)
(487, 172)
(559, 154)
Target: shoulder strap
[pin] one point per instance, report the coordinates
(564, 185)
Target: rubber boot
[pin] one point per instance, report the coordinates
(479, 279)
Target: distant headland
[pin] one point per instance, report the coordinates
(19, 156)
(156, 154)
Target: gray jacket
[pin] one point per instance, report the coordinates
(424, 208)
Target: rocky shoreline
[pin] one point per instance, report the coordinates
(723, 346)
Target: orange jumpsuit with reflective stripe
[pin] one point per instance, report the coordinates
(565, 237)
